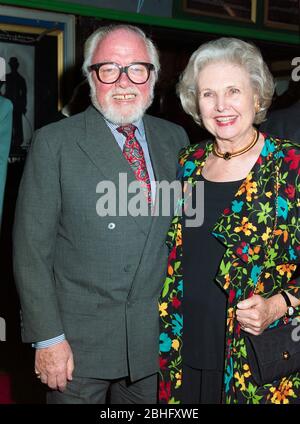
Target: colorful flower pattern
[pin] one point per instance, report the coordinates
(244, 228)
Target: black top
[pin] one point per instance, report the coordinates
(204, 301)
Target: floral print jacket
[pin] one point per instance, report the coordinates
(251, 263)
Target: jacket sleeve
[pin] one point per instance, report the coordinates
(34, 236)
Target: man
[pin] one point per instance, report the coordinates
(89, 284)
(6, 111)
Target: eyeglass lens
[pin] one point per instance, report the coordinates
(110, 72)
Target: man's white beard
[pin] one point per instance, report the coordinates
(112, 113)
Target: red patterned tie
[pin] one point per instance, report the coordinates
(134, 154)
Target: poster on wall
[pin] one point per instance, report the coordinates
(282, 14)
(18, 86)
(236, 10)
(37, 49)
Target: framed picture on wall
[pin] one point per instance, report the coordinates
(282, 14)
(237, 10)
(37, 49)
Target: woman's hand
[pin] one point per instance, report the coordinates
(256, 313)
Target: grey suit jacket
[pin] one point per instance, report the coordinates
(96, 279)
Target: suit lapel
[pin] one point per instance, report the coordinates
(163, 168)
(247, 221)
(104, 152)
(101, 147)
(255, 194)
(157, 145)
(236, 226)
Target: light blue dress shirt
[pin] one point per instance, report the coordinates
(120, 138)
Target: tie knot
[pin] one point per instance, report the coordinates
(127, 130)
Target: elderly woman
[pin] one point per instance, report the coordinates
(238, 268)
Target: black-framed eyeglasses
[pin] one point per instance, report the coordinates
(110, 72)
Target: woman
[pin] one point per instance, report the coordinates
(238, 268)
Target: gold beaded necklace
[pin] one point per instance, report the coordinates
(228, 155)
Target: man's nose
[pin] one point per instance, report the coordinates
(123, 80)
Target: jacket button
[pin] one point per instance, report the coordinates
(111, 226)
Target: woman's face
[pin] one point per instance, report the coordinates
(226, 101)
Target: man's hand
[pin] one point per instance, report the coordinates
(55, 365)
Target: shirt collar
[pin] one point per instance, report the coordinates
(139, 124)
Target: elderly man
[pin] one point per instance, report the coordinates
(89, 281)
